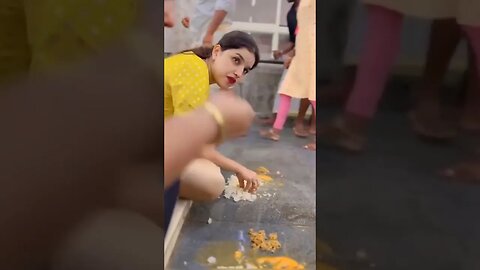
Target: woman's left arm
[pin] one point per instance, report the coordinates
(244, 174)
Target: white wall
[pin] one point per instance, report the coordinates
(266, 21)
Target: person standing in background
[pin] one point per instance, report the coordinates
(292, 26)
(177, 38)
(289, 50)
(210, 21)
(300, 79)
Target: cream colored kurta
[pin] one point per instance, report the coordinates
(466, 12)
(300, 79)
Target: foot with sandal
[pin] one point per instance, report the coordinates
(299, 128)
(429, 119)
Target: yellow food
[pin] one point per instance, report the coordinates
(259, 240)
(262, 170)
(264, 177)
(280, 263)
(238, 255)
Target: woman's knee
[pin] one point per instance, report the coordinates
(202, 180)
(202, 188)
(214, 186)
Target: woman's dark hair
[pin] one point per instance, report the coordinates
(231, 40)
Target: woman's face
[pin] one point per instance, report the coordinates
(230, 66)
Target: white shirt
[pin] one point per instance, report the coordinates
(208, 7)
(203, 14)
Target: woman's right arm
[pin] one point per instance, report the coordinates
(186, 136)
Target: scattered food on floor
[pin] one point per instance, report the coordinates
(211, 260)
(234, 191)
(260, 241)
(279, 263)
(238, 255)
(262, 170)
(265, 177)
(264, 174)
(209, 221)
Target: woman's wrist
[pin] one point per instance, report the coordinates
(210, 125)
(217, 116)
(239, 168)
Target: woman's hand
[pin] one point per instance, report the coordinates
(168, 14)
(248, 180)
(186, 22)
(277, 54)
(287, 62)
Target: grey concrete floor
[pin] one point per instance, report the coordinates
(384, 209)
(290, 211)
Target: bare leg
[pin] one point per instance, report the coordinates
(312, 146)
(382, 42)
(299, 127)
(471, 115)
(426, 117)
(469, 171)
(313, 123)
(201, 181)
(283, 109)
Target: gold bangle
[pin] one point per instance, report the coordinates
(217, 115)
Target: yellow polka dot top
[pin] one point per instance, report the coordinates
(186, 83)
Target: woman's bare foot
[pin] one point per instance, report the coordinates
(428, 122)
(299, 130)
(464, 172)
(470, 120)
(312, 129)
(270, 134)
(342, 135)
